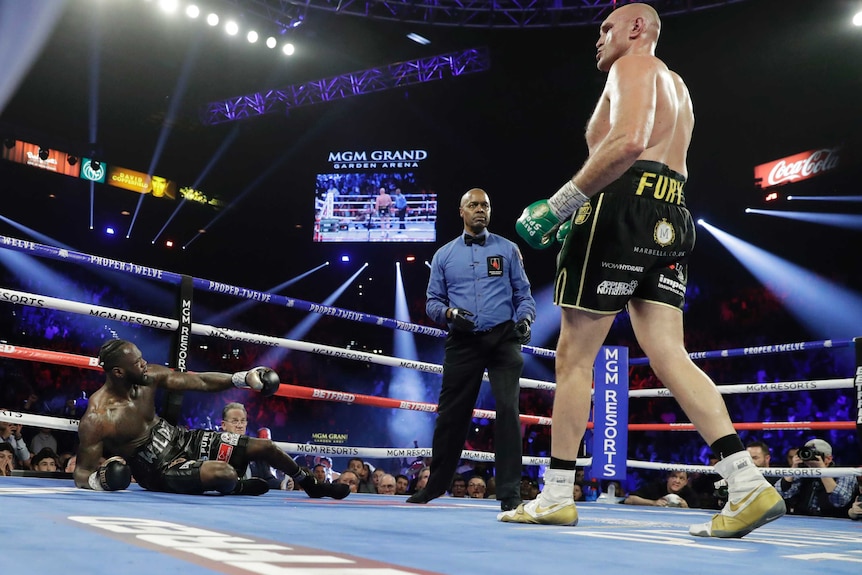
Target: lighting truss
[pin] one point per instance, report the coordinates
(468, 13)
(396, 75)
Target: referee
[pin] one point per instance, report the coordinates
(478, 287)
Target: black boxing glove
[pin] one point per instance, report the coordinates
(460, 320)
(271, 382)
(523, 331)
(260, 379)
(113, 475)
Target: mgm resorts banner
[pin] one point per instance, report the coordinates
(611, 413)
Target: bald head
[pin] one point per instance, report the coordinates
(469, 194)
(646, 13)
(475, 210)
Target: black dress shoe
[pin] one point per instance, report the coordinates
(316, 490)
(422, 496)
(509, 504)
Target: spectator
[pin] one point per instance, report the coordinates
(362, 472)
(319, 472)
(476, 487)
(421, 479)
(578, 491)
(672, 492)
(45, 460)
(350, 479)
(402, 484)
(11, 434)
(822, 496)
(386, 484)
(759, 453)
(855, 511)
(7, 459)
(529, 488)
(234, 419)
(459, 486)
(44, 438)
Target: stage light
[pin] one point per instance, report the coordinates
(169, 6)
(857, 19)
(288, 49)
(169, 244)
(44, 153)
(9, 143)
(251, 37)
(95, 165)
(231, 27)
(72, 160)
(411, 258)
(109, 231)
(345, 258)
(212, 19)
(419, 39)
(192, 11)
(271, 42)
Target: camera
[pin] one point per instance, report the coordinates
(809, 453)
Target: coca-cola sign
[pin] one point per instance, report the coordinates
(796, 168)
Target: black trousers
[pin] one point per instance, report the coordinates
(466, 358)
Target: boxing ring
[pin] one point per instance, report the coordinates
(288, 533)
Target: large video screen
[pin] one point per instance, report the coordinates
(374, 206)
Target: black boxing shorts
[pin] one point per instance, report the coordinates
(171, 460)
(633, 239)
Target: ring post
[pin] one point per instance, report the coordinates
(181, 346)
(611, 413)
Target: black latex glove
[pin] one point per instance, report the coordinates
(523, 331)
(460, 320)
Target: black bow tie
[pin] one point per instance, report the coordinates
(470, 240)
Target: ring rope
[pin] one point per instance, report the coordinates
(62, 254)
(168, 324)
(396, 452)
(300, 392)
(760, 350)
(284, 390)
(784, 386)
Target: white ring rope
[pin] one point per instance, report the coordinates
(416, 452)
(47, 302)
(728, 389)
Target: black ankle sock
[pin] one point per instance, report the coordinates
(562, 464)
(727, 445)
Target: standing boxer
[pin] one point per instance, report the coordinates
(630, 239)
(479, 288)
(121, 420)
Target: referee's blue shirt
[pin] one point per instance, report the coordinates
(487, 280)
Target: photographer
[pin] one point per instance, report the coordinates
(819, 496)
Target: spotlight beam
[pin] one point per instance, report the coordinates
(854, 199)
(170, 117)
(222, 149)
(403, 426)
(232, 312)
(331, 117)
(826, 308)
(849, 221)
(299, 331)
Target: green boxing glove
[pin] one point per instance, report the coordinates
(540, 221)
(564, 230)
(538, 225)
